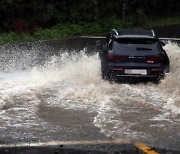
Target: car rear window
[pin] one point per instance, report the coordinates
(136, 41)
(135, 45)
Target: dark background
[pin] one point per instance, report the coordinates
(27, 15)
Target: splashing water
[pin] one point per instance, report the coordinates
(73, 80)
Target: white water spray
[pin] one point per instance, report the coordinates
(73, 80)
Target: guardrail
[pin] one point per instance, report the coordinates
(101, 37)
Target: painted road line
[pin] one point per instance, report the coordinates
(140, 146)
(145, 148)
(56, 143)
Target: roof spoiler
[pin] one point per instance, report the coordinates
(115, 32)
(153, 34)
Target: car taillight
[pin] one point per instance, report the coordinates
(117, 69)
(156, 69)
(117, 57)
(153, 59)
(150, 61)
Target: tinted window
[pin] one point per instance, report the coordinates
(135, 45)
(136, 41)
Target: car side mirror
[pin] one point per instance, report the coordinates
(162, 43)
(99, 43)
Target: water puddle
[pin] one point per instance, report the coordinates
(73, 81)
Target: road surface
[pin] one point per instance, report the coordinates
(53, 94)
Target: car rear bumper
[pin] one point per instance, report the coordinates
(150, 73)
(137, 76)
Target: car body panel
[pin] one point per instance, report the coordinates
(141, 55)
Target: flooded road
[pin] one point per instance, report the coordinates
(58, 94)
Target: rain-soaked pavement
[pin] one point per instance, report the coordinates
(53, 92)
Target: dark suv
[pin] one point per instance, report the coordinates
(133, 53)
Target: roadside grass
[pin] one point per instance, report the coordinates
(71, 30)
(12, 37)
(162, 22)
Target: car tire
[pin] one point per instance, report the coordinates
(162, 75)
(155, 80)
(167, 69)
(159, 78)
(112, 77)
(103, 75)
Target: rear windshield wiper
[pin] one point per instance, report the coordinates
(143, 49)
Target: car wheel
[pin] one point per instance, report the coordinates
(167, 69)
(159, 78)
(161, 75)
(156, 80)
(112, 77)
(103, 75)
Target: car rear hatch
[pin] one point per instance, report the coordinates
(131, 52)
(136, 56)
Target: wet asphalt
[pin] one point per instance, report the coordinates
(70, 125)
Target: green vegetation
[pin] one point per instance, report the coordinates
(27, 20)
(163, 22)
(71, 30)
(13, 37)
